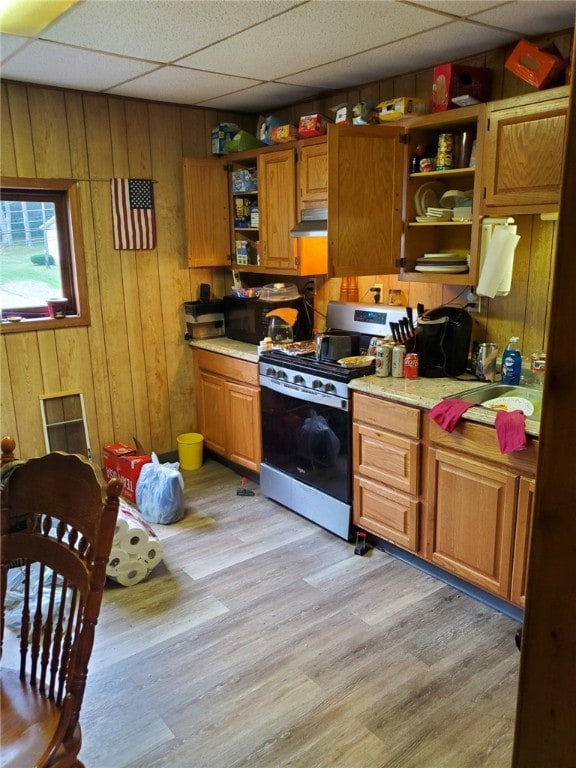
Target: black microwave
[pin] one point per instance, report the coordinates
(245, 319)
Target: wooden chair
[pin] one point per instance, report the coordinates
(56, 565)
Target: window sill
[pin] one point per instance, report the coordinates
(43, 324)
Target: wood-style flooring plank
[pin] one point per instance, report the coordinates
(262, 641)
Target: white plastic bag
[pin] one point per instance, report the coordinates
(160, 492)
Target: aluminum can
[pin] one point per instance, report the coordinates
(411, 366)
(445, 157)
(398, 353)
(372, 345)
(383, 359)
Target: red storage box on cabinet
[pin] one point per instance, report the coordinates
(456, 80)
(122, 461)
(536, 67)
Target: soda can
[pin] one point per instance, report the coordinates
(383, 359)
(411, 366)
(398, 353)
(372, 345)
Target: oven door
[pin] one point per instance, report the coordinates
(307, 435)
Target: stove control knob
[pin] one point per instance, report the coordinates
(317, 384)
(280, 374)
(298, 379)
(329, 387)
(271, 372)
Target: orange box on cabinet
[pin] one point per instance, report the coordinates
(536, 67)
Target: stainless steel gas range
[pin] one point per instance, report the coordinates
(307, 423)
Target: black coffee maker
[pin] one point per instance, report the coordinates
(442, 341)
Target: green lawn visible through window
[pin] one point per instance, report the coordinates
(41, 254)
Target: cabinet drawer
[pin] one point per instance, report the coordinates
(228, 367)
(387, 458)
(387, 415)
(393, 516)
(480, 441)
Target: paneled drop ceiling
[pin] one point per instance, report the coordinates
(252, 55)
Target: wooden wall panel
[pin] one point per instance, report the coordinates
(49, 133)
(7, 151)
(21, 129)
(7, 407)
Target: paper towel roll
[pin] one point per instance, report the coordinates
(131, 572)
(136, 540)
(496, 269)
(153, 554)
(118, 557)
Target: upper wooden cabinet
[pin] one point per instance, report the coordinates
(277, 202)
(366, 167)
(313, 174)
(524, 153)
(206, 212)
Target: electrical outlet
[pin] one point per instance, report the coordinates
(377, 287)
(476, 305)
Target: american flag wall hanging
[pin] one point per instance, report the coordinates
(133, 214)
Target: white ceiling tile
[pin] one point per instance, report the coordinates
(11, 43)
(448, 43)
(313, 34)
(182, 86)
(530, 18)
(267, 96)
(462, 8)
(53, 64)
(160, 30)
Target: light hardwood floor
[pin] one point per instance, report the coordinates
(262, 641)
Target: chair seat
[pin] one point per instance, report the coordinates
(29, 721)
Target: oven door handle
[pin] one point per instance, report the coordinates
(309, 396)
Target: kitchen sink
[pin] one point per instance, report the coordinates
(505, 397)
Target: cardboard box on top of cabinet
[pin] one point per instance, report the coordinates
(312, 125)
(265, 126)
(283, 133)
(220, 134)
(400, 108)
(122, 461)
(535, 66)
(456, 80)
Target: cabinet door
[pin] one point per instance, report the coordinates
(211, 404)
(244, 438)
(313, 176)
(472, 507)
(522, 540)
(392, 515)
(277, 204)
(206, 213)
(366, 166)
(524, 154)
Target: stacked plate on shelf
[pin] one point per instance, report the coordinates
(447, 263)
(428, 196)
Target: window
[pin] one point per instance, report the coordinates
(41, 255)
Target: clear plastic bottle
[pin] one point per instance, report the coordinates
(511, 362)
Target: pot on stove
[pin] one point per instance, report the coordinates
(337, 344)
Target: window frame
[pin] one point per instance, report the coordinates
(75, 257)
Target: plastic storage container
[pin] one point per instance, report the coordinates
(511, 362)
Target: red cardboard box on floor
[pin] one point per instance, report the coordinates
(452, 80)
(536, 67)
(122, 461)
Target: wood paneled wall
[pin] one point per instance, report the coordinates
(131, 363)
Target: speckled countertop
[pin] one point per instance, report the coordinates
(422, 393)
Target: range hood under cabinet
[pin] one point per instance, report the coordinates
(314, 223)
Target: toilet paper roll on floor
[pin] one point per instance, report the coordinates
(120, 530)
(131, 572)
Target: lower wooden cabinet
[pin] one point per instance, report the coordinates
(386, 470)
(474, 509)
(522, 540)
(228, 407)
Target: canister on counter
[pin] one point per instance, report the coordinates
(398, 353)
(445, 156)
(411, 365)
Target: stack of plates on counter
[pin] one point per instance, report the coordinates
(448, 263)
